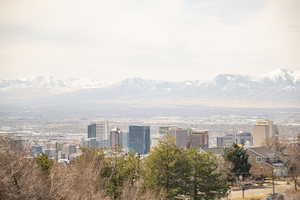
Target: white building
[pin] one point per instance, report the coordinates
(263, 132)
(98, 134)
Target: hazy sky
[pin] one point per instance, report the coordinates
(154, 39)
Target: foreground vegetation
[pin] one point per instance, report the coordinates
(168, 172)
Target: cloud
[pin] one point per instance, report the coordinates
(170, 39)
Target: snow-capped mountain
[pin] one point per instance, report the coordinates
(280, 87)
(43, 86)
(282, 75)
(50, 83)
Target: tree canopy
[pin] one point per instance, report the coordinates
(237, 156)
(183, 172)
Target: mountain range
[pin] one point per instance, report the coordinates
(278, 88)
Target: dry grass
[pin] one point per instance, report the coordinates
(292, 195)
(251, 197)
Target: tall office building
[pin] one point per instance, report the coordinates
(186, 137)
(98, 134)
(182, 136)
(199, 138)
(139, 139)
(115, 139)
(125, 141)
(263, 132)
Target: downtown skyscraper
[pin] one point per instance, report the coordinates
(139, 139)
(98, 134)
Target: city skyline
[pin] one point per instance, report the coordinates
(149, 99)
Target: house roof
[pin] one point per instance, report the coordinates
(268, 153)
(262, 151)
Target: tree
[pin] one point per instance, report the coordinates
(19, 178)
(276, 144)
(167, 169)
(237, 156)
(205, 181)
(183, 172)
(119, 169)
(130, 167)
(293, 162)
(44, 162)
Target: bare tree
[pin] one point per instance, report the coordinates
(293, 154)
(19, 177)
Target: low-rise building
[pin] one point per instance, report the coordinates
(266, 162)
(226, 141)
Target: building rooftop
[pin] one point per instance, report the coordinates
(263, 122)
(199, 131)
(264, 151)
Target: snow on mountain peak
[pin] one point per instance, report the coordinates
(282, 78)
(281, 75)
(50, 82)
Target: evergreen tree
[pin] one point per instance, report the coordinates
(167, 168)
(119, 169)
(44, 162)
(206, 183)
(237, 156)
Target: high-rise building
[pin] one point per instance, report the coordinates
(182, 136)
(98, 134)
(115, 138)
(139, 139)
(263, 132)
(199, 138)
(125, 141)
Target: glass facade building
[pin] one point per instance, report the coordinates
(138, 139)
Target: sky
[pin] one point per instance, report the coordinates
(172, 40)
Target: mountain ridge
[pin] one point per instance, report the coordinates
(278, 87)
(280, 74)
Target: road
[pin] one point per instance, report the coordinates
(280, 187)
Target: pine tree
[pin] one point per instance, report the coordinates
(237, 156)
(167, 169)
(44, 162)
(206, 181)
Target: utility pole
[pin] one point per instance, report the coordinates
(243, 191)
(242, 186)
(273, 181)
